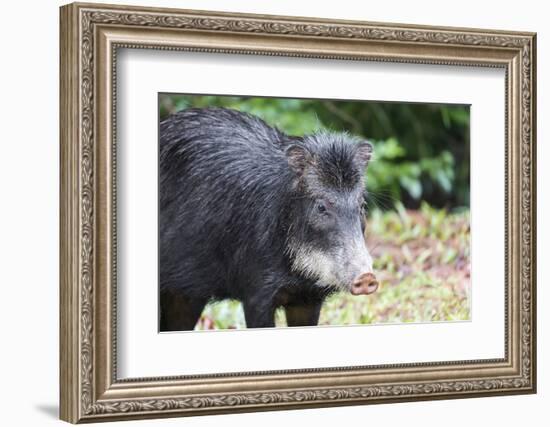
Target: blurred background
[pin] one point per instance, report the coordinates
(418, 228)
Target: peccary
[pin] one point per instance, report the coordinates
(250, 213)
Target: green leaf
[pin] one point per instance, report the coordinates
(412, 185)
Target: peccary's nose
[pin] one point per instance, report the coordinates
(365, 284)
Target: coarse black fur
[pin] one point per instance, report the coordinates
(231, 199)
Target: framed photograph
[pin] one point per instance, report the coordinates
(267, 212)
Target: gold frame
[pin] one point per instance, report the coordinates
(90, 36)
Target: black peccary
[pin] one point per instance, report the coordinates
(249, 213)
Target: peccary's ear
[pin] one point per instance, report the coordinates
(363, 153)
(298, 158)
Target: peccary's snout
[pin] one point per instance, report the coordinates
(365, 284)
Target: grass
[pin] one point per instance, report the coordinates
(422, 261)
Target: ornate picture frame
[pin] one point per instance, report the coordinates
(90, 37)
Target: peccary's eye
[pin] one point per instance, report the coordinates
(321, 208)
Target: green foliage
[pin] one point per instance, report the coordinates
(389, 171)
(421, 150)
(422, 260)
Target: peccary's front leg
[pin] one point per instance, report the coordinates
(259, 315)
(303, 314)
